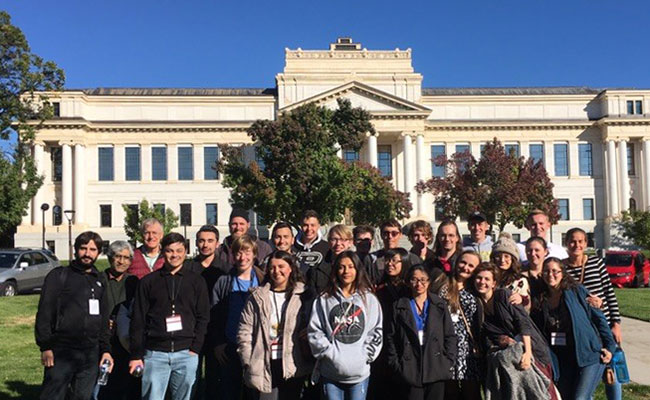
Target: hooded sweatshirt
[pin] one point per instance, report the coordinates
(484, 248)
(345, 335)
(310, 254)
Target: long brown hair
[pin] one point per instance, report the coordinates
(509, 275)
(437, 247)
(361, 283)
(451, 281)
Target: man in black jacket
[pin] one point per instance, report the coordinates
(210, 267)
(170, 317)
(72, 324)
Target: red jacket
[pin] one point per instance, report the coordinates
(140, 268)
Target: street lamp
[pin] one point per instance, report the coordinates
(44, 207)
(69, 214)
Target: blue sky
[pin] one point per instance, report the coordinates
(165, 43)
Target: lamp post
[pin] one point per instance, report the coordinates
(44, 207)
(69, 215)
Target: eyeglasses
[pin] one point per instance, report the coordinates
(390, 233)
(393, 262)
(554, 273)
(415, 281)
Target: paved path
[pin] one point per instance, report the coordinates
(636, 343)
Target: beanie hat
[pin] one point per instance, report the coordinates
(239, 212)
(505, 244)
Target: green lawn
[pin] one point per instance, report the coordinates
(634, 303)
(21, 372)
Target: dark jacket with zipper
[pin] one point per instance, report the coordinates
(153, 305)
(419, 365)
(63, 318)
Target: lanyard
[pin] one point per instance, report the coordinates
(173, 293)
(253, 281)
(278, 313)
(90, 283)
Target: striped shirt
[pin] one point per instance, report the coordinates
(597, 281)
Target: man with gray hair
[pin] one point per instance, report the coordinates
(120, 289)
(148, 257)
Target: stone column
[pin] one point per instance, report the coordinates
(66, 178)
(37, 214)
(408, 169)
(372, 150)
(145, 159)
(646, 173)
(624, 183)
(612, 186)
(419, 170)
(339, 150)
(80, 182)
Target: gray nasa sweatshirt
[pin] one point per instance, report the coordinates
(345, 335)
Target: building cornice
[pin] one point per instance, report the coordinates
(146, 126)
(506, 125)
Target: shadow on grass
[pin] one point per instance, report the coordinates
(20, 390)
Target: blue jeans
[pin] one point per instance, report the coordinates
(177, 369)
(580, 383)
(614, 392)
(345, 391)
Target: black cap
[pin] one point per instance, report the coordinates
(239, 212)
(476, 215)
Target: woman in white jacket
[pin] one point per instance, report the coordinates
(345, 330)
(273, 324)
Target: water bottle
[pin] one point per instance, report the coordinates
(103, 373)
(137, 372)
(620, 366)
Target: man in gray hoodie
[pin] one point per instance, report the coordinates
(478, 239)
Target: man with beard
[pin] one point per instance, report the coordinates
(239, 224)
(210, 267)
(147, 258)
(72, 324)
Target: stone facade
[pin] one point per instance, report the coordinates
(595, 143)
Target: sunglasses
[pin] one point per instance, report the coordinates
(390, 233)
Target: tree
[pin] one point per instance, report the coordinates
(133, 219)
(505, 187)
(301, 169)
(635, 226)
(22, 74)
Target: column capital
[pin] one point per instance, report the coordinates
(407, 133)
(368, 134)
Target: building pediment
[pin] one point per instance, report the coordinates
(376, 101)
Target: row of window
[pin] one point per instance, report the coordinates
(588, 212)
(536, 152)
(185, 216)
(132, 160)
(132, 163)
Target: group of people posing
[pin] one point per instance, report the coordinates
(315, 317)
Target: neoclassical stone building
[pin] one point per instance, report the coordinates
(109, 147)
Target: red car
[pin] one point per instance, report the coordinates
(627, 268)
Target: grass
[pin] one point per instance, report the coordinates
(634, 303)
(21, 373)
(20, 368)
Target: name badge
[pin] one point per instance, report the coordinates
(174, 323)
(455, 317)
(558, 339)
(421, 337)
(93, 306)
